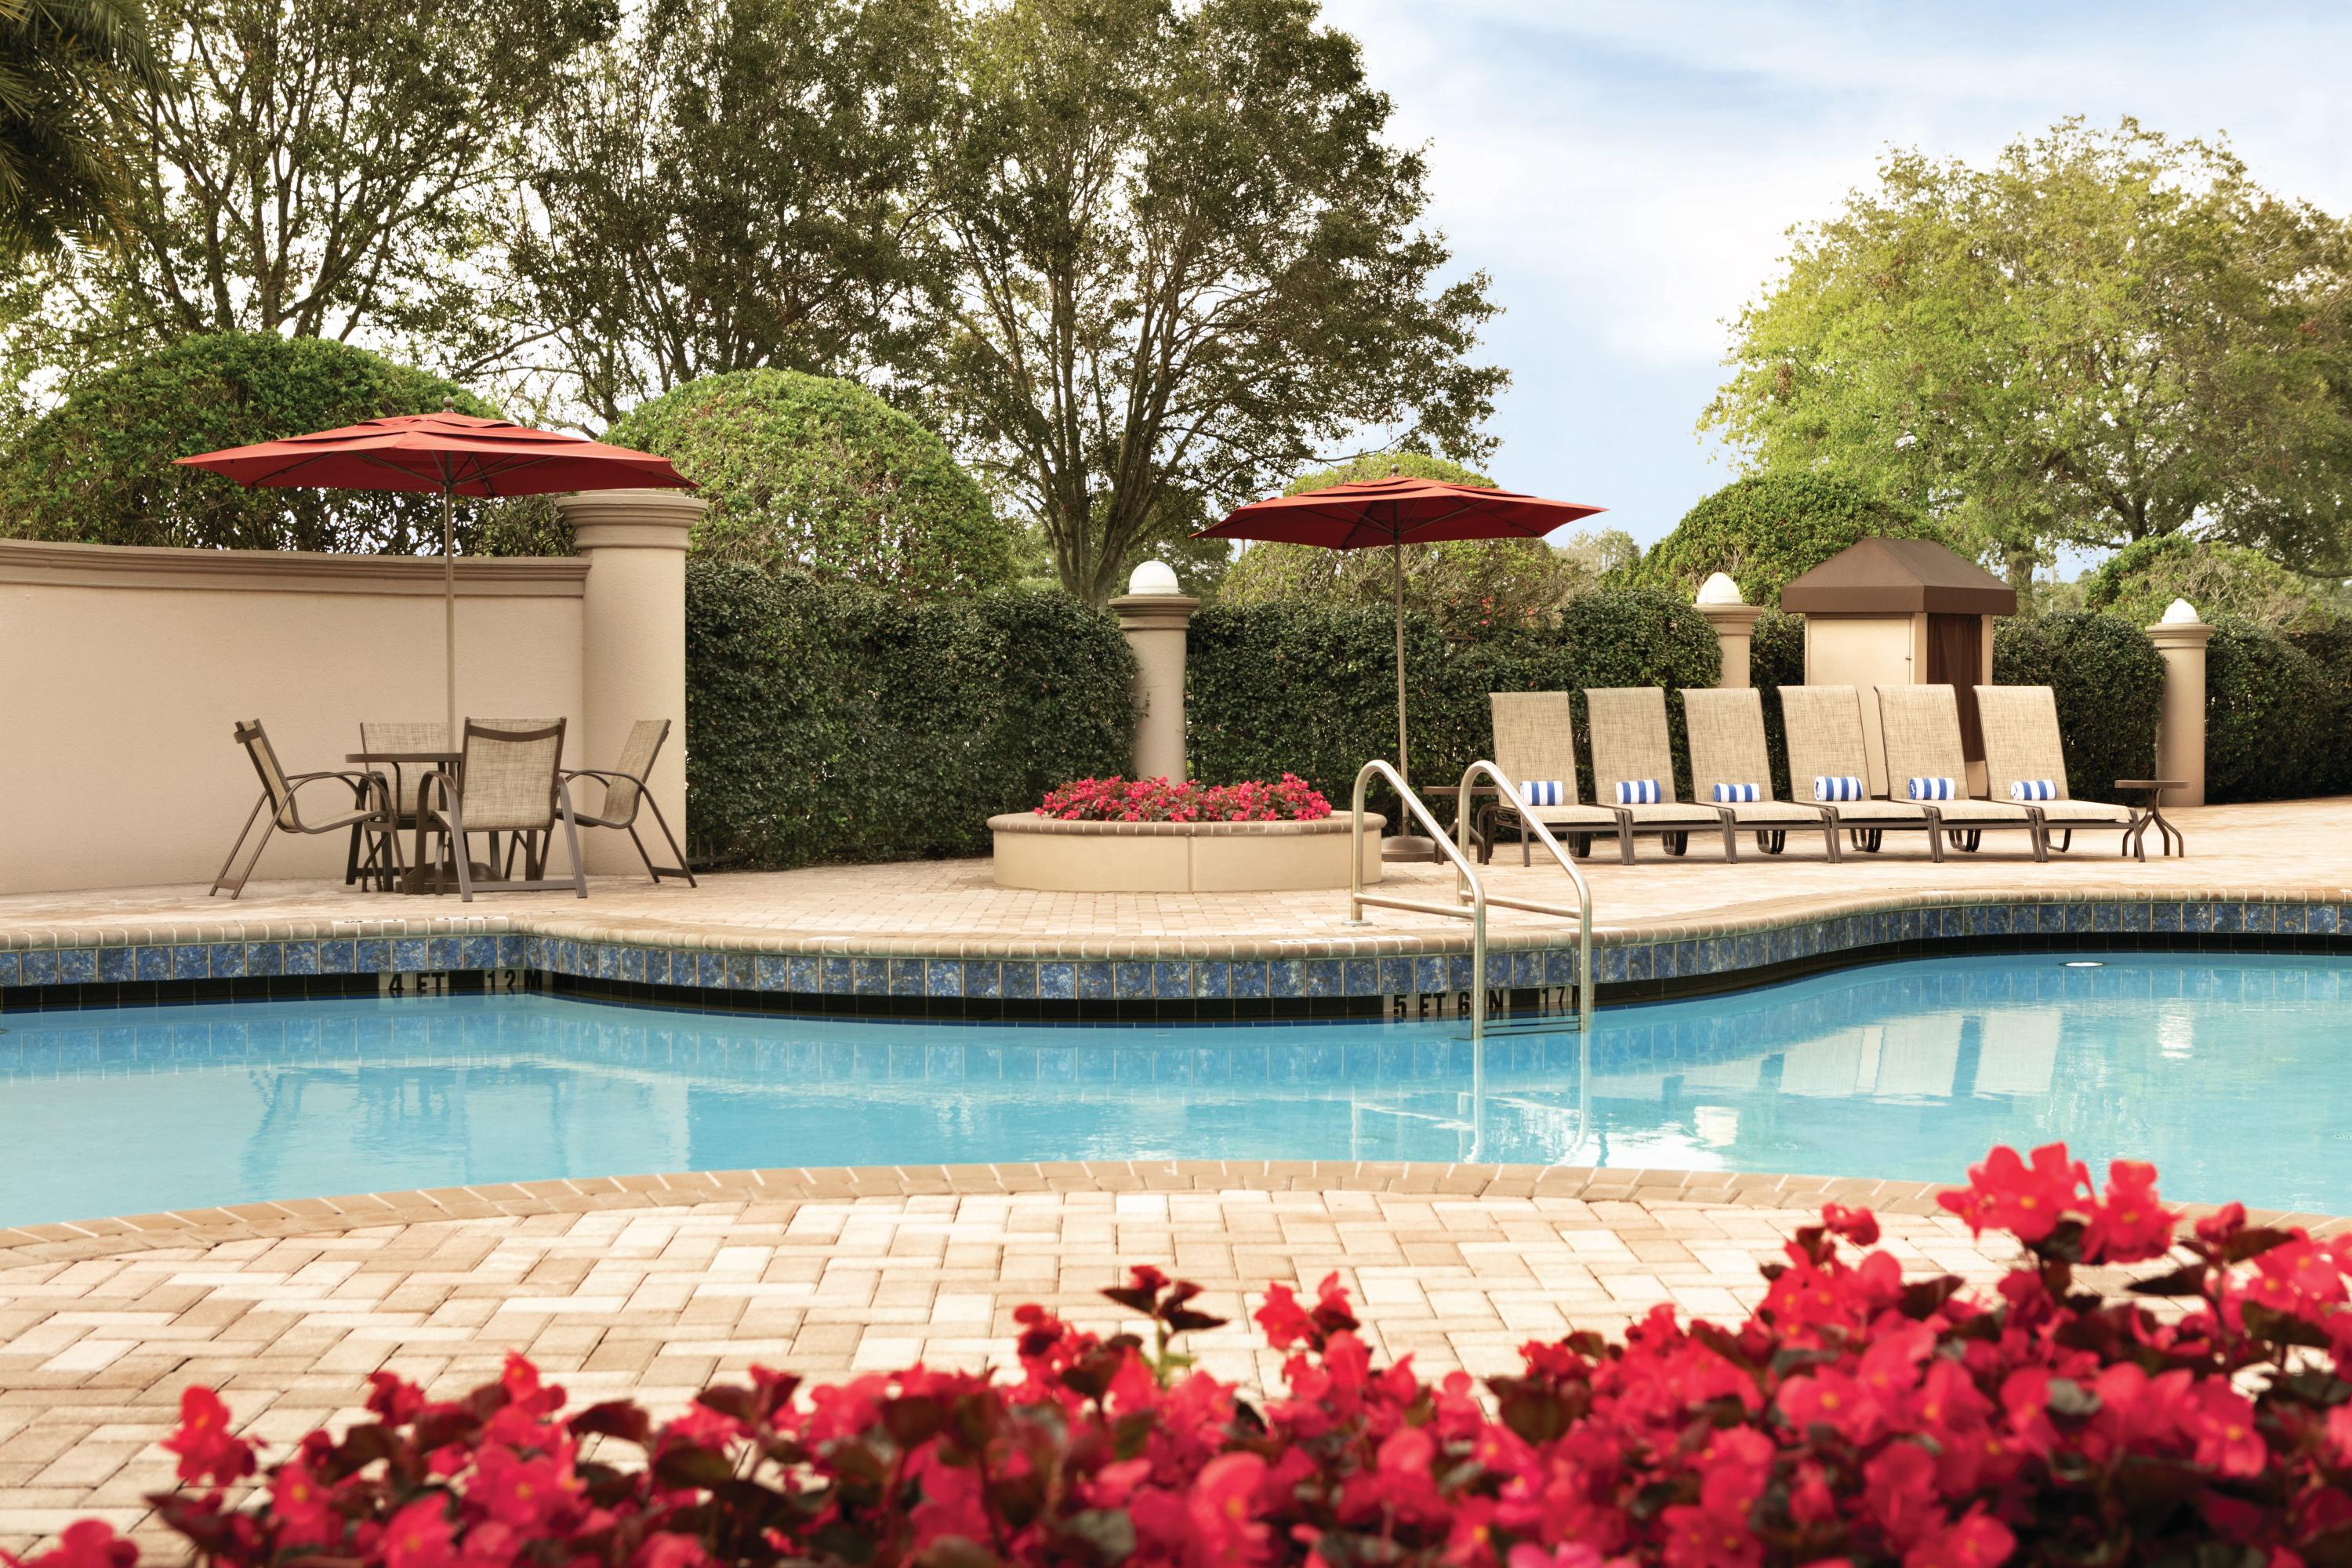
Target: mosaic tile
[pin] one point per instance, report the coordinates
(1212, 978)
(633, 965)
(115, 965)
(1020, 980)
(1248, 977)
(265, 958)
(2287, 919)
(226, 959)
(1361, 977)
(2226, 918)
(658, 962)
(187, 963)
(1459, 977)
(771, 971)
(869, 976)
(982, 977)
(1285, 977)
(408, 954)
(478, 953)
(39, 966)
(338, 957)
(1325, 977)
(442, 954)
(1396, 977)
(806, 974)
(2135, 918)
(2106, 917)
(2324, 920)
(1091, 980)
(9, 972)
(151, 963)
(607, 961)
(1057, 980)
(510, 951)
(709, 970)
(1131, 979)
(1428, 975)
(78, 966)
(905, 977)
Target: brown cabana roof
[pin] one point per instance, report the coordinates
(1898, 577)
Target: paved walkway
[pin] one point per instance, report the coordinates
(653, 1291)
(2298, 849)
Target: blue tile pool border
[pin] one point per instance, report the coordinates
(1250, 979)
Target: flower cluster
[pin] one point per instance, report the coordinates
(1116, 799)
(1855, 1418)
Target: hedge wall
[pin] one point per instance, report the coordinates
(2108, 680)
(1312, 688)
(1776, 658)
(828, 722)
(2276, 719)
(2329, 647)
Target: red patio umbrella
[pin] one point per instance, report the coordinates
(1396, 513)
(451, 454)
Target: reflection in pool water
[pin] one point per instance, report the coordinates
(2227, 1071)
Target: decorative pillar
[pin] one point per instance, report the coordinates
(1154, 614)
(1734, 621)
(633, 643)
(2181, 638)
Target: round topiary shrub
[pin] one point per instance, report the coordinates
(819, 474)
(2269, 716)
(2140, 581)
(98, 469)
(2108, 683)
(1768, 528)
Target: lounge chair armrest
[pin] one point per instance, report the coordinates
(608, 774)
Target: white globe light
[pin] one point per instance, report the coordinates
(1719, 589)
(1153, 577)
(2181, 612)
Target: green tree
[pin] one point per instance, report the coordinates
(2139, 583)
(2100, 338)
(1771, 527)
(1463, 585)
(65, 67)
(809, 472)
(1182, 258)
(732, 186)
(98, 469)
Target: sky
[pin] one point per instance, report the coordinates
(1627, 174)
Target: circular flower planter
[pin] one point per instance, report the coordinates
(1057, 857)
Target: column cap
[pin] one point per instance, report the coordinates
(1735, 616)
(2180, 634)
(625, 519)
(1153, 612)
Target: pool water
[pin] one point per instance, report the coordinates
(2228, 1072)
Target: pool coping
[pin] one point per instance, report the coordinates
(1199, 975)
(197, 1229)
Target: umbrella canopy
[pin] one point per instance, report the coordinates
(451, 455)
(1395, 512)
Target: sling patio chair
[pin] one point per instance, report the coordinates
(625, 791)
(1634, 771)
(279, 790)
(403, 781)
(1921, 726)
(1829, 759)
(507, 781)
(2026, 763)
(1731, 768)
(1535, 747)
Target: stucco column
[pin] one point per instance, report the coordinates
(1734, 622)
(1154, 616)
(2181, 638)
(633, 636)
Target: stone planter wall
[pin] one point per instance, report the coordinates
(1050, 855)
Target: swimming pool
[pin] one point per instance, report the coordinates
(2229, 1071)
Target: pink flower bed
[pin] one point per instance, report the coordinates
(1854, 1418)
(1115, 799)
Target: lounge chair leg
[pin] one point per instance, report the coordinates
(683, 869)
(1830, 842)
(2065, 840)
(1730, 841)
(1626, 841)
(222, 881)
(571, 838)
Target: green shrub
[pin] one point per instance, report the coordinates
(1776, 658)
(1311, 689)
(829, 723)
(1768, 528)
(2140, 581)
(2273, 724)
(2108, 682)
(2329, 647)
(98, 469)
(807, 472)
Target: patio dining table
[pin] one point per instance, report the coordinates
(419, 878)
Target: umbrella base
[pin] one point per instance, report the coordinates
(1407, 847)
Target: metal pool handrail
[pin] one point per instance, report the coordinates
(1582, 914)
(1467, 885)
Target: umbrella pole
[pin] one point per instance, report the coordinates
(1396, 562)
(449, 611)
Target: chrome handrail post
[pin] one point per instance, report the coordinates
(1356, 850)
(1528, 821)
(1464, 876)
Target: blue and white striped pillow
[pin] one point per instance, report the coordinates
(1833, 786)
(2033, 789)
(1932, 789)
(1540, 792)
(1637, 792)
(1736, 794)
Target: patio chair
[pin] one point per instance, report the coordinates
(2025, 761)
(279, 791)
(1921, 725)
(1731, 768)
(1631, 748)
(1535, 747)
(1827, 749)
(508, 780)
(403, 781)
(625, 790)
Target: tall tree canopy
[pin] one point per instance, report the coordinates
(66, 67)
(1180, 256)
(2101, 337)
(732, 185)
(1768, 528)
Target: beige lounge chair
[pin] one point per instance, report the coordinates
(1727, 747)
(1628, 745)
(1826, 741)
(2023, 747)
(625, 791)
(1535, 739)
(1922, 729)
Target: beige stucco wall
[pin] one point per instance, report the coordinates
(122, 670)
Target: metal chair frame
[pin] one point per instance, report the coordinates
(279, 793)
(644, 797)
(450, 812)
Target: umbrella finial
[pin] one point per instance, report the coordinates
(448, 403)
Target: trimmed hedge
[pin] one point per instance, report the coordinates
(2108, 680)
(1311, 689)
(2275, 717)
(1776, 658)
(828, 722)
(1768, 528)
(2329, 647)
